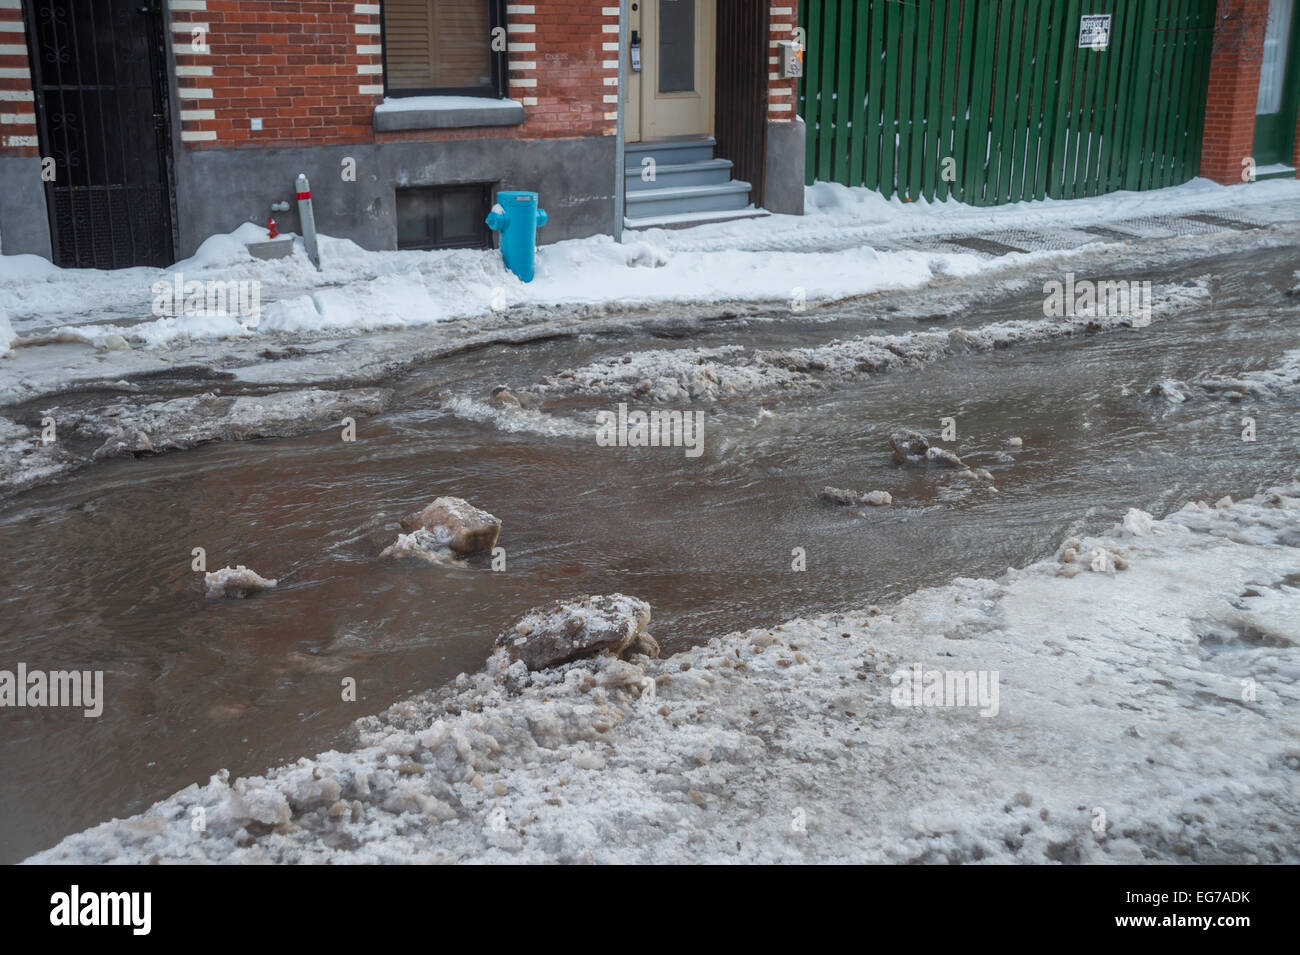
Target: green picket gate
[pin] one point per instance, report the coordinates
(993, 101)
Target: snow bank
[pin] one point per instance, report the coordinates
(1146, 714)
(832, 252)
(709, 374)
(7, 335)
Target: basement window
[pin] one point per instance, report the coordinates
(443, 217)
(444, 47)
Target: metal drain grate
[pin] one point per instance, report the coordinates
(979, 244)
(1105, 233)
(1235, 225)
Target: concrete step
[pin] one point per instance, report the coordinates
(662, 202)
(684, 220)
(671, 152)
(707, 172)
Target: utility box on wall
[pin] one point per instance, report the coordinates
(789, 59)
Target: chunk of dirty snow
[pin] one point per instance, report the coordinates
(1136, 523)
(237, 582)
(571, 629)
(835, 495)
(7, 335)
(422, 545)
(461, 527)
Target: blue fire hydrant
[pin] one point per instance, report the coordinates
(517, 218)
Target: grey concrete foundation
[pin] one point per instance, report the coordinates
(217, 190)
(784, 168)
(24, 223)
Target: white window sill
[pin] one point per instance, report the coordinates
(402, 113)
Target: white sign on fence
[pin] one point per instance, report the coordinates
(1094, 31)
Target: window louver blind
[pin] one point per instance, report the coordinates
(438, 44)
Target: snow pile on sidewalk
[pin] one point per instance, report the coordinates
(837, 216)
(1142, 714)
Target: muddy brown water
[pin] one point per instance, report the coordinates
(97, 570)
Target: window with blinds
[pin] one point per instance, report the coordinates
(442, 46)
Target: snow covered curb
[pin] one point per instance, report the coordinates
(1143, 714)
(729, 371)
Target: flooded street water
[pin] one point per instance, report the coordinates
(97, 570)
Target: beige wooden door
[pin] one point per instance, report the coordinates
(673, 94)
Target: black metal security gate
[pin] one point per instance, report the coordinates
(99, 69)
(740, 126)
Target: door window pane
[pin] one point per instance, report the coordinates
(1273, 74)
(676, 46)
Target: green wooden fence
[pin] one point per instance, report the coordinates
(992, 101)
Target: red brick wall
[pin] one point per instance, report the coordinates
(17, 112)
(783, 18)
(312, 72)
(1234, 88)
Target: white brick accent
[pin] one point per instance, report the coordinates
(198, 135)
(190, 93)
(366, 9)
(15, 73)
(179, 5)
(12, 49)
(18, 119)
(16, 96)
(371, 29)
(197, 115)
(19, 141)
(371, 90)
(193, 71)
